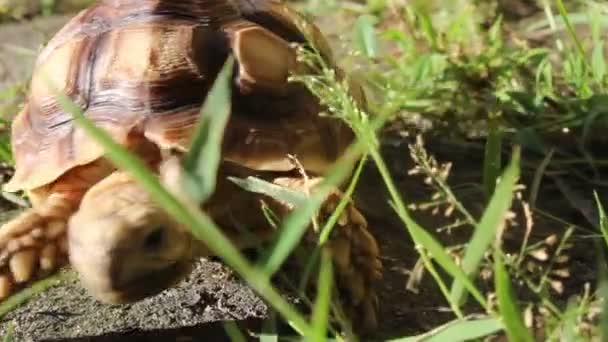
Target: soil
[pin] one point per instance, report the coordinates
(191, 310)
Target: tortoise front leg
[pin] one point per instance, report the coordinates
(34, 244)
(354, 251)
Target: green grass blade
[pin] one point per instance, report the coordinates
(365, 35)
(10, 330)
(459, 330)
(491, 221)
(420, 235)
(573, 35)
(426, 240)
(26, 294)
(298, 221)
(291, 232)
(6, 155)
(570, 320)
(426, 24)
(603, 218)
(234, 332)
(281, 193)
(507, 303)
(320, 317)
(200, 224)
(598, 62)
(492, 163)
(333, 219)
(269, 331)
(294, 226)
(204, 156)
(603, 293)
(269, 337)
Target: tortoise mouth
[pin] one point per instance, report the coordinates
(146, 285)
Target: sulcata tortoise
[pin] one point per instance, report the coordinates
(141, 70)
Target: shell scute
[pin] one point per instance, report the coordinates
(147, 66)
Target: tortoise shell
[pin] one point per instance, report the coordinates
(143, 68)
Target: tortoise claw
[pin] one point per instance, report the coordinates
(355, 255)
(32, 245)
(357, 263)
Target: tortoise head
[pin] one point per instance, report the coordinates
(123, 246)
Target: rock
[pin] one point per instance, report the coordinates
(67, 313)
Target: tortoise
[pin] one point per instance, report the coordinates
(141, 69)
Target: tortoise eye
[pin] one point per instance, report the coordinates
(154, 240)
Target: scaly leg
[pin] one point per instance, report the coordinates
(34, 244)
(354, 252)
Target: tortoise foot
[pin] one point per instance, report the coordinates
(357, 264)
(32, 245)
(355, 254)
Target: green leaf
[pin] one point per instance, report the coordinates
(293, 228)
(598, 62)
(603, 294)
(603, 218)
(295, 225)
(507, 303)
(459, 330)
(365, 35)
(47, 7)
(10, 330)
(577, 42)
(298, 221)
(438, 252)
(598, 108)
(491, 221)
(529, 138)
(426, 24)
(335, 216)
(492, 163)
(269, 329)
(280, 193)
(570, 322)
(320, 316)
(234, 332)
(26, 294)
(6, 155)
(203, 159)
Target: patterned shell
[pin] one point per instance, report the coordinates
(143, 68)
